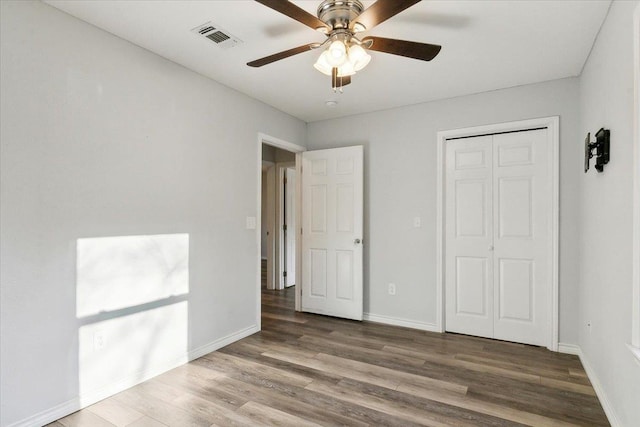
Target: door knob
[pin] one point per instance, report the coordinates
(357, 241)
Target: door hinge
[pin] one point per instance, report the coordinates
(285, 180)
(284, 227)
(284, 274)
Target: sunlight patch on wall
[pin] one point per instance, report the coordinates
(117, 353)
(125, 271)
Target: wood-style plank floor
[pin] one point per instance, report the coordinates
(308, 370)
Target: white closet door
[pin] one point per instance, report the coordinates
(332, 226)
(497, 238)
(522, 185)
(469, 235)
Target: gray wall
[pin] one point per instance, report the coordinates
(605, 221)
(102, 138)
(400, 184)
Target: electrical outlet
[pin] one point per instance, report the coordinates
(99, 340)
(392, 288)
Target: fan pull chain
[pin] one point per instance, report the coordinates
(336, 82)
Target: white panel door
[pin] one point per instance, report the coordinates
(497, 236)
(290, 220)
(469, 235)
(332, 225)
(522, 185)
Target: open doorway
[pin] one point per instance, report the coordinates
(278, 239)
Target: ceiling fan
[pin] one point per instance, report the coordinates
(340, 21)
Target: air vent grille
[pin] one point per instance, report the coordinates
(206, 30)
(219, 36)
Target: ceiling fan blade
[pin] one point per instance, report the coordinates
(346, 80)
(422, 51)
(292, 11)
(380, 11)
(281, 55)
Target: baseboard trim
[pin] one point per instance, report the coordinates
(569, 349)
(62, 410)
(597, 386)
(376, 318)
(49, 415)
(222, 342)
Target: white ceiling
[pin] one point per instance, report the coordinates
(486, 45)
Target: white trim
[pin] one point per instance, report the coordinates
(551, 123)
(298, 290)
(222, 342)
(280, 143)
(295, 148)
(591, 374)
(635, 351)
(569, 349)
(49, 415)
(395, 321)
(62, 410)
(635, 329)
(440, 230)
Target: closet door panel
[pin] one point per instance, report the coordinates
(468, 236)
(521, 182)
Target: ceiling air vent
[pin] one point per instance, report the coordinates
(221, 37)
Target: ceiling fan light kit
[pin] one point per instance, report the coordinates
(348, 60)
(340, 20)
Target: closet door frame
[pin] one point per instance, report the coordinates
(552, 124)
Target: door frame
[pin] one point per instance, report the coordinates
(279, 235)
(551, 123)
(635, 327)
(297, 149)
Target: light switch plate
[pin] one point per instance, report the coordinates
(417, 222)
(251, 223)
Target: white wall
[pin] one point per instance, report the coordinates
(606, 100)
(400, 184)
(102, 138)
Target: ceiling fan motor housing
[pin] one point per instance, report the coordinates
(337, 14)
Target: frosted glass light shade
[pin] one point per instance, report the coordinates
(322, 64)
(358, 57)
(337, 53)
(346, 69)
(353, 60)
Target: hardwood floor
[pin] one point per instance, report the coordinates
(308, 370)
